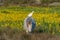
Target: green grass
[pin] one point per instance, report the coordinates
(44, 26)
(29, 9)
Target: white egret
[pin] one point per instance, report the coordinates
(29, 23)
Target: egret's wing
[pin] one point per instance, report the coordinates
(25, 24)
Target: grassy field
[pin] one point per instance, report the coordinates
(47, 18)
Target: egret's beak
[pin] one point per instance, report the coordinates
(30, 14)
